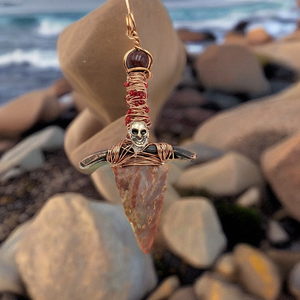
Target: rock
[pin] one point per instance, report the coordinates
(186, 97)
(10, 279)
(226, 176)
(251, 197)
(285, 260)
(248, 129)
(191, 36)
(246, 75)
(27, 155)
(61, 87)
(258, 36)
(192, 231)
(85, 242)
(235, 38)
(284, 52)
(209, 286)
(276, 233)
(204, 153)
(184, 293)
(257, 273)
(281, 167)
(165, 289)
(96, 71)
(226, 267)
(294, 282)
(16, 118)
(221, 100)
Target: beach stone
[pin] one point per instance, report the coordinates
(61, 87)
(257, 273)
(10, 279)
(258, 36)
(248, 129)
(16, 118)
(251, 197)
(294, 281)
(285, 260)
(187, 35)
(281, 167)
(210, 286)
(186, 97)
(192, 231)
(276, 233)
(184, 293)
(27, 155)
(96, 71)
(229, 175)
(165, 289)
(85, 241)
(246, 75)
(284, 51)
(235, 38)
(226, 267)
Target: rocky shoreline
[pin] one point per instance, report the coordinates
(230, 227)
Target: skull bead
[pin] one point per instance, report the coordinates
(139, 135)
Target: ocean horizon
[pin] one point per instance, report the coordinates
(29, 30)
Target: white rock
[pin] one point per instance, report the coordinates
(249, 198)
(276, 233)
(80, 249)
(192, 230)
(27, 155)
(226, 176)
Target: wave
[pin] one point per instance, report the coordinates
(41, 59)
(49, 26)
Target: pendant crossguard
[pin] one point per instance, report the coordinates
(139, 166)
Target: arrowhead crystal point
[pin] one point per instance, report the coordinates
(142, 190)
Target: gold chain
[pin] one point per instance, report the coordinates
(131, 26)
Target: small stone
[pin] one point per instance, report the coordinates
(184, 293)
(192, 231)
(294, 281)
(210, 286)
(229, 175)
(165, 289)
(251, 197)
(276, 233)
(136, 59)
(258, 36)
(226, 266)
(257, 273)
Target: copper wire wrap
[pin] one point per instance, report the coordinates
(123, 155)
(136, 99)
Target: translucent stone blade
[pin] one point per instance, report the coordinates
(142, 190)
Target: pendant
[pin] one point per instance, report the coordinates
(139, 167)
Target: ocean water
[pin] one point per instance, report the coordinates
(29, 30)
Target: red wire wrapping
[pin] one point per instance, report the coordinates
(136, 99)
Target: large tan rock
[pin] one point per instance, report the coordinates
(10, 279)
(165, 289)
(231, 68)
(229, 175)
(192, 230)
(284, 52)
(37, 106)
(80, 249)
(257, 273)
(254, 126)
(281, 166)
(91, 54)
